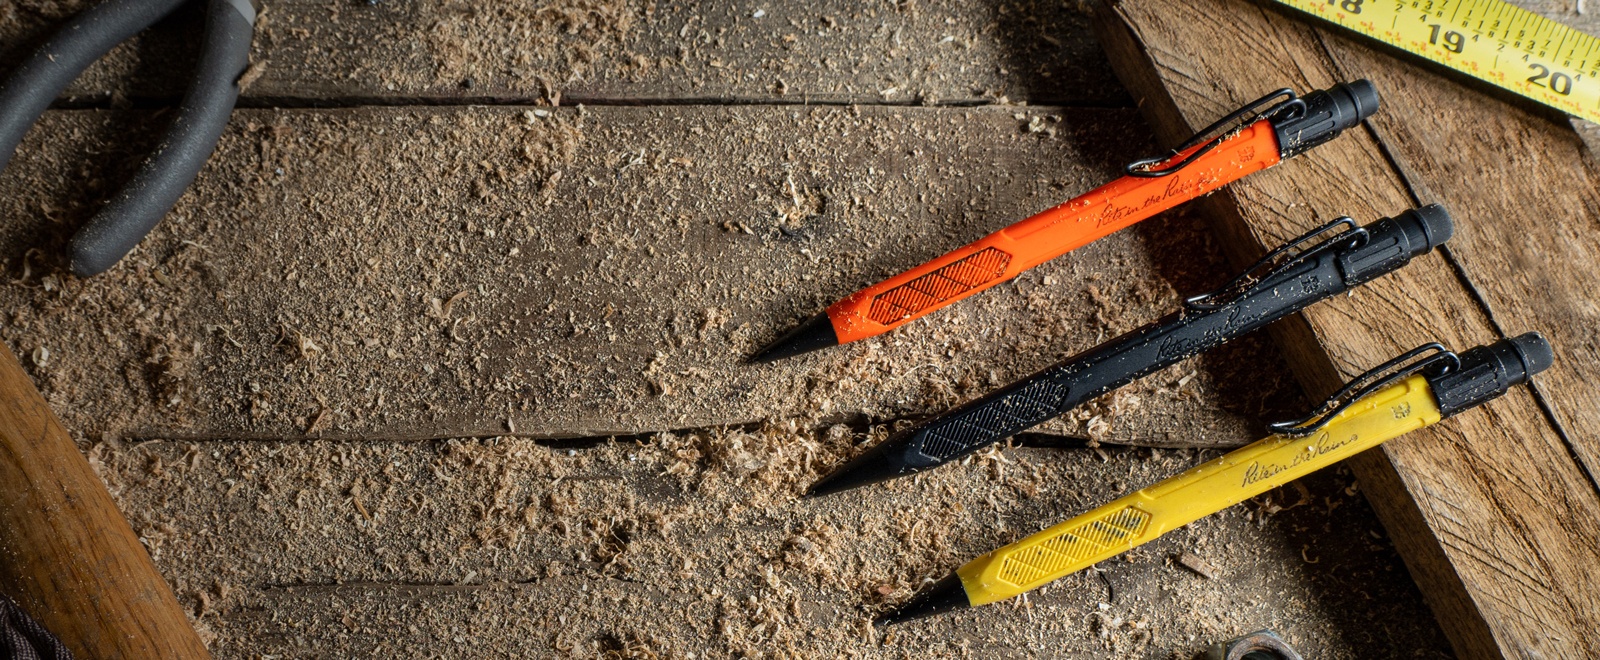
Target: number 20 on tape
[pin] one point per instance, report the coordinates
(1498, 43)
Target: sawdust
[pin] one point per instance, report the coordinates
(551, 52)
(392, 280)
(330, 228)
(469, 37)
(390, 274)
(32, 15)
(699, 547)
(458, 272)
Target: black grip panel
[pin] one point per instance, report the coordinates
(200, 120)
(28, 92)
(1003, 414)
(1324, 271)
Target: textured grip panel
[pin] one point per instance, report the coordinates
(939, 286)
(994, 419)
(1077, 544)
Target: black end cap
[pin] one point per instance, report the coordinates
(816, 333)
(1487, 372)
(1363, 94)
(1535, 352)
(1393, 242)
(1437, 226)
(1322, 115)
(944, 596)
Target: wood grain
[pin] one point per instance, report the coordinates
(290, 548)
(452, 51)
(1529, 199)
(1495, 517)
(66, 554)
(304, 286)
(458, 51)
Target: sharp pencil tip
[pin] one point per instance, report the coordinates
(944, 596)
(877, 464)
(816, 333)
(825, 486)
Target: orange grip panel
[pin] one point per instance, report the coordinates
(1007, 253)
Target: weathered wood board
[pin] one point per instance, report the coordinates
(457, 51)
(700, 545)
(1495, 511)
(443, 51)
(454, 272)
(255, 312)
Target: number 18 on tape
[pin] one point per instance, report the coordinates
(1498, 43)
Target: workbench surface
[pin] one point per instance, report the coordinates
(442, 354)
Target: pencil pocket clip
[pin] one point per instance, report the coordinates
(1278, 261)
(1291, 107)
(1432, 358)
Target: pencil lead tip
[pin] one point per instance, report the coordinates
(834, 482)
(816, 333)
(876, 464)
(944, 596)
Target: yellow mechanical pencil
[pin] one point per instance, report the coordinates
(1412, 391)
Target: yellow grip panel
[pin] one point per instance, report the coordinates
(1140, 517)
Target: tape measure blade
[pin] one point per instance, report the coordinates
(1496, 42)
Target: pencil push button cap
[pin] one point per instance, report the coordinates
(1363, 95)
(1535, 352)
(1436, 225)
(1487, 372)
(1323, 115)
(1391, 242)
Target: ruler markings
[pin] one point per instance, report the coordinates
(1471, 35)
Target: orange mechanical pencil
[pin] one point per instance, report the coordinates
(1248, 140)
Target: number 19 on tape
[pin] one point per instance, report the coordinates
(1498, 43)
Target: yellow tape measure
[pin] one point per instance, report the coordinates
(1501, 44)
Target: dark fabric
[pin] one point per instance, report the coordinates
(22, 638)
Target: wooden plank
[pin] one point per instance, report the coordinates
(67, 557)
(701, 545)
(424, 273)
(1494, 516)
(1590, 132)
(1527, 244)
(458, 51)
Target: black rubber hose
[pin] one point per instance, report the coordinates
(201, 118)
(88, 36)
